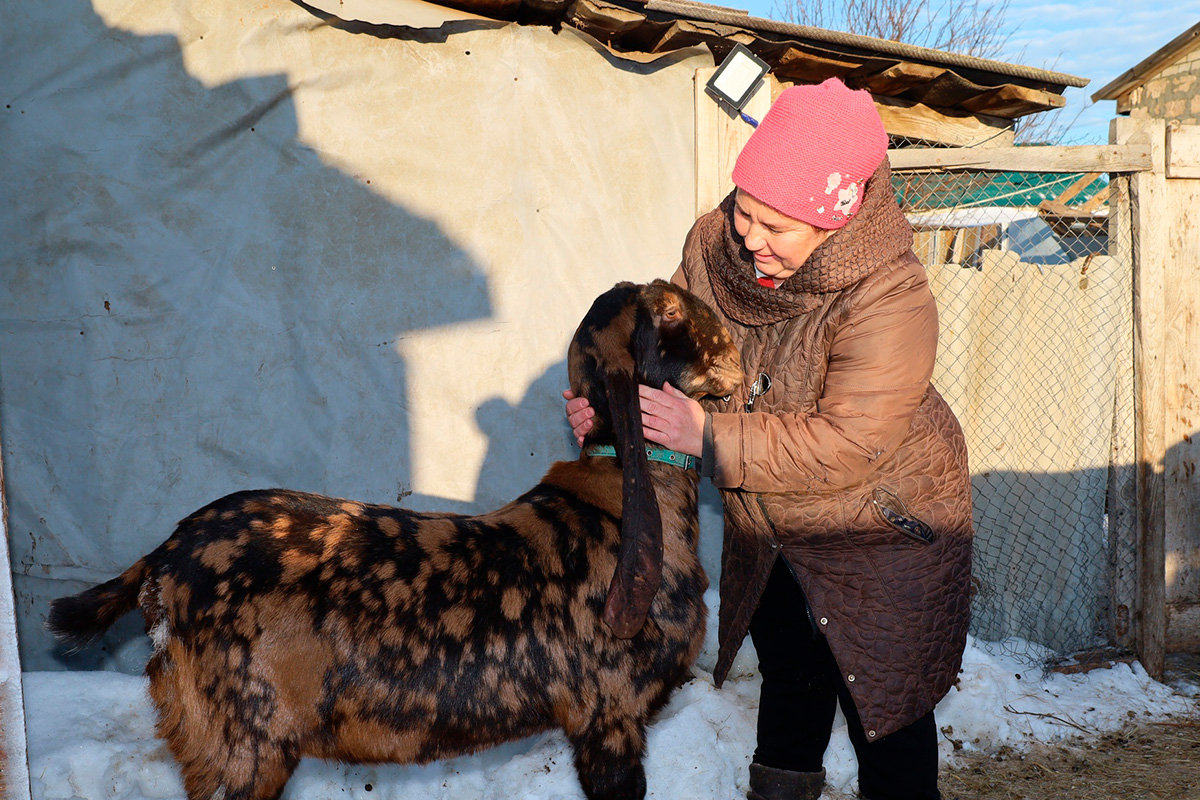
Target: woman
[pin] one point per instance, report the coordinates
(843, 472)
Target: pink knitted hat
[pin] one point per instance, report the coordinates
(812, 153)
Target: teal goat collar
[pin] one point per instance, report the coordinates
(672, 457)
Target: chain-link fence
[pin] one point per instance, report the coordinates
(1036, 332)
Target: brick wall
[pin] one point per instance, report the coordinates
(1173, 93)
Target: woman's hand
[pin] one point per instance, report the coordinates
(669, 418)
(579, 415)
(672, 419)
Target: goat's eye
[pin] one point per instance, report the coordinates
(672, 313)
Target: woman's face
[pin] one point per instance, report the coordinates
(780, 244)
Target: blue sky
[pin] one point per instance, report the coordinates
(1097, 40)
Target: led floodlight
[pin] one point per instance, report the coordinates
(737, 79)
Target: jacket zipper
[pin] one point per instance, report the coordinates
(776, 548)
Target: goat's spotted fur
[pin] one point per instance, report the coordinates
(288, 625)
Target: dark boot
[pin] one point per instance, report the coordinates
(768, 783)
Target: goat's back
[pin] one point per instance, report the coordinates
(367, 632)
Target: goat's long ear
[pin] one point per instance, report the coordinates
(639, 561)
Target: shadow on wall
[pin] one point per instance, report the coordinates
(1047, 564)
(1056, 556)
(191, 303)
(513, 461)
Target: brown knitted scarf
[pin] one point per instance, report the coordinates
(875, 236)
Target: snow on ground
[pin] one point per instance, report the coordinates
(91, 736)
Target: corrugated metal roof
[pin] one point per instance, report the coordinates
(870, 44)
(946, 82)
(802, 54)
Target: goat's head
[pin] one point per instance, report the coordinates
(650, 333)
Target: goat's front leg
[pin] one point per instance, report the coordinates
(608, 757)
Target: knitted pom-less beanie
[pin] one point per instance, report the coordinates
(812, 153)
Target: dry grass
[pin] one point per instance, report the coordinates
(1142, 761)
(1155, 761)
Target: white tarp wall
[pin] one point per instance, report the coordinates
(14, 766)
(246, 248)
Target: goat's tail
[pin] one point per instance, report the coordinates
(79, 620)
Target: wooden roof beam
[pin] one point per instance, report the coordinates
(1075, 158)
(1014, 101)
(595, 17)
(896, 79)
(919, 122)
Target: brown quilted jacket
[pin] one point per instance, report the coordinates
(850, 418)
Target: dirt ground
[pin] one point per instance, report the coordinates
(1143, 761)
(1156, 761)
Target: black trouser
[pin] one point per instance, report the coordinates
(801, 685)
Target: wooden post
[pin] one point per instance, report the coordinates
(1147, 194)
(1123, 524)
(14, 764)
(1180, 222)
(720, 136)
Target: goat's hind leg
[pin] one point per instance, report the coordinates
(223, 752)
(608, 759)
(248, 774)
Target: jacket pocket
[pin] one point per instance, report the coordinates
(892, 510)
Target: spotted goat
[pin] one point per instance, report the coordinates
(287, 625)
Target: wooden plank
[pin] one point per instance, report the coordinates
(947, 90)
(1132, 157)
(897, 78)
(1058, 207)
(1078, 186)
(1095, 201)
(916, 121)
(14, 764)
(685, 33)
(1013, 101)
(1147, 191)
(1061, 216)
(602, 19)
(1123, 523)
(720, 136)
(808, 66)
(707, 181)
(1181, 383)
(676, 37)
(1183, 151)
(1128, 101)
(1183, 628)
